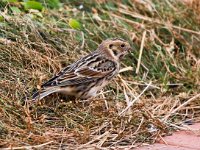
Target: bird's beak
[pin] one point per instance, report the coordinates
(129, 49)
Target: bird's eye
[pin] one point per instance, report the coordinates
(110, 46)
(123, 45)
(115, 52)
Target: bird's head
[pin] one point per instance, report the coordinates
(115, 48)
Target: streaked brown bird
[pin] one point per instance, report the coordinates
(89, 74)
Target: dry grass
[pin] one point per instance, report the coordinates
(165, 36)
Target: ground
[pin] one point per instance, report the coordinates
(156, 93)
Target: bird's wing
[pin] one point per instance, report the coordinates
(51, 81)
(89, 71)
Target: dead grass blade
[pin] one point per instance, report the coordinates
(28, 147)
(133, 101)
(141, 50)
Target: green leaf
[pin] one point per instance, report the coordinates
(73, 23)
(1, 18)
(15, 10)
(32, 5)
(10, 1)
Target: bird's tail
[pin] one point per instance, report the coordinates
(38, 95)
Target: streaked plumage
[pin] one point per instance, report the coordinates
(89, 74)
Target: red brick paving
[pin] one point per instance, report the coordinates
(181, 140)
(159, 146)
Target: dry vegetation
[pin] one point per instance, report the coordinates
(156, 92)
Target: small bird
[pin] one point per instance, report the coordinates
(89, 74)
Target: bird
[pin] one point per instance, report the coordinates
(86, 76)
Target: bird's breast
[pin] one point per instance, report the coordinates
(93, 91)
